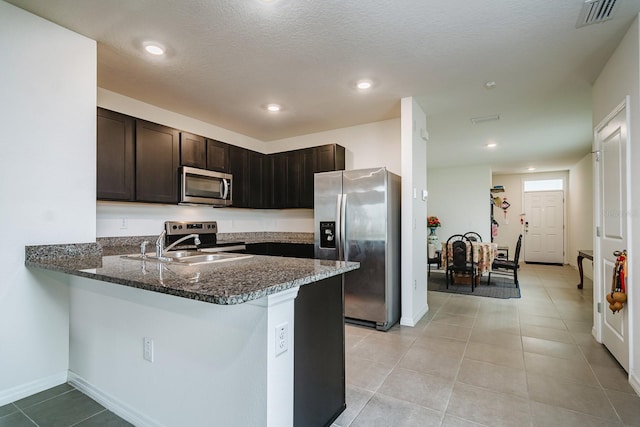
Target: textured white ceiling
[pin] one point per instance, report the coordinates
(228, 58)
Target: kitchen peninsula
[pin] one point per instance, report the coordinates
(208, 344)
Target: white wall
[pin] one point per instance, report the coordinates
(414, 213)
(459, 197)
(510, 228)
(48, 77)
(580, 227)
(367, 146)
(621, 78)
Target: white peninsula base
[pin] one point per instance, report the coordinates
(212, 364)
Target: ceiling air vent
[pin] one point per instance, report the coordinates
(595, 11)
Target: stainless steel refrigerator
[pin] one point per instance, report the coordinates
(357, 218)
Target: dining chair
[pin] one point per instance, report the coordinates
(506, 266)
(433, 257)
(473, 236)
(460, 259)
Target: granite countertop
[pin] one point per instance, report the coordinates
(231, 282)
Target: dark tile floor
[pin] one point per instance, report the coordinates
(61, 406)
(474, 361)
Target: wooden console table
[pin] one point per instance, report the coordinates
(582, 254)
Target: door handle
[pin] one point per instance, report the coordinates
(343, 227)
(338, 235)
(225, 192)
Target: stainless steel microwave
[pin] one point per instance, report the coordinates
(204, 187)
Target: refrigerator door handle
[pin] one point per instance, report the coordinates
(339, 227)
(343, 227)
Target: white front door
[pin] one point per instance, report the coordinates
(544, 227)
(611, 172)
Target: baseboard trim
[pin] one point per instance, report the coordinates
(413, 322)
(33, 387)
(111, 403)
(634, 381)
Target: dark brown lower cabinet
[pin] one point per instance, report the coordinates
(319, 364)
(293, 250)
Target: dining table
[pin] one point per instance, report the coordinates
(483, 254)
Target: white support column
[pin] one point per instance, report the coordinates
(414, 212)
(280, 312)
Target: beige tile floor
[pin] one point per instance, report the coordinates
(475, 361)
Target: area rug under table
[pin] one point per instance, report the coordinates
(501, 287)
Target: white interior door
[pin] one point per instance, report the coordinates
(544, 227)
(611, 161)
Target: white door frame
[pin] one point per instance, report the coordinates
(598, 287)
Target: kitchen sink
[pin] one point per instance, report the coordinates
(190, 257)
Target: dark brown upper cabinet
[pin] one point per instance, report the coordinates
(278, 180)
(330, 157)
(217, 156)
(139, 161)
(248, 169)
(239, 169)
(293, 179)
(193, 150)
(157, 162)
(115, 156)
(307, 169)
(257, 171)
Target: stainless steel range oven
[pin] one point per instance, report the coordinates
(207, 232)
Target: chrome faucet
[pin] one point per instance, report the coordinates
(143, 249)
(161, 250)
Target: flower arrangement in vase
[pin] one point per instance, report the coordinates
(432, 223)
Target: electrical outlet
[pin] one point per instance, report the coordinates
(147, 349)
(124, 223)
(282, 338)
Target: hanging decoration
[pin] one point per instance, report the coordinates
(505, 206)
(618, 295)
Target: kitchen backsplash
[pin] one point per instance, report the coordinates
(135, 219)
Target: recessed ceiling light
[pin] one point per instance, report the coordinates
(154, 48)
(364, 84)
(273, 108)
(531, 169)
(492, 145)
